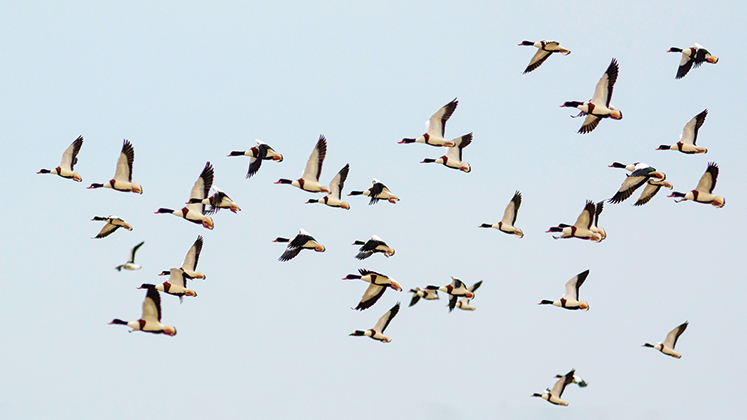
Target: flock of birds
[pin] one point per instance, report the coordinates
(201, 205)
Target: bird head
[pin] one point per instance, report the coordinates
(208, 223)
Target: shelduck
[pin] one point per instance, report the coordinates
(150, 320)
(453, 157)
(377, 332)
(703, 193)
(217, 201)
(576, 380)
(463, 302)
(130, 264)
(692, 57)
(112, 224)
(667, 347)
(506, 225)
(195, 211)
(333, 198)
(176, 284)
(69, 159)
(570, 297)
(122, 180)
(689, 136)
(377, 192)
(545, 50)
(427, 294)
(553, 395)
(189, 266)
(262, 151)
(582, 228)
(379, 283)
(372, 246)
(652, 188)
(640, 173)
(599, 106)
(595, 223)
(309, 181)
(301, 241)
(435, 127)
(455, 290)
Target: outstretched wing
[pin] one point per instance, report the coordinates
(70, 156)
(201, 188)
(338, 182)
(314, 164)
(386, 318)
(437, 122)
(123, 172)
(708, 181)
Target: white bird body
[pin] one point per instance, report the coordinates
(435, 127)
(455, 289)
(303, 240)
(667, 347)
(333, 198)
(463, 302)
(217, 201)
(69, 159)
(122, 180)
(377, 192)
(553, 395)
(599, 106)
(689, 137)
(506, 225)
(130, 264)
(703, 193)
(195, 211)
(692, 57)
(176, 284)
(544, 50)
(262, 151)
(189, 266)
(570, 297)
(309, 180)
(377, 332)
(378, 285)
(582, 228)
(453, 157)
(112, 224)
(150, 320)
(372, 246)
(426, 294)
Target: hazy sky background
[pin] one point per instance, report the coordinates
(187, 83)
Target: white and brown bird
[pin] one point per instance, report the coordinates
(130, 264)
(69, 159)
(176, 284)
(122, 180)
(303, 240)
(377, 332)
(652, 188)
(262, 151)
(570, 297)
(692, 57)
(150, 320)
(689, 137)
(217, 201)
(377, 192)
(427, 294)
(463, 302)
(195, 211)
(435, 127)
(667, 347)
(544, 50)
(112, 224)
(576, 380)
(506, 225)
(309, 180)
(703, 193)
(640, 174)
(553, 395)
(189, 266)
(334, 197)
(372, 246)
(455, 290)
(582, 228)
(378, 285)
(453, 157)
(598, 107)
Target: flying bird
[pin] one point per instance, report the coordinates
(598, 106)
(553, 395)
(692, 57)
(122, 180)
(189, 266)
(427, 294)
(689, 136)
(506, 225)
(463, 302)
(576, 380)
(377, 192)
(262, 151)
(301, 241)
(379, 284)
(112, 224)
(333, 198)
(130, 264)
(703, 193)
(372, 246)
(455, 290)
(453, 157)
(582, 228)
(435, 127)
(150, 320)
(176, 284)
(217, 201)
(570, 297)
(69, 159)
(195, 211)
(377, 332)
(309, 180)
(544, 50)
(640, 173)
(667, 347)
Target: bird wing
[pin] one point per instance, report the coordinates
(455, 152)
(560, 385)
(193, 256)
(603, 90)
(372, 294)
(586, 217)
(690, 132)
(177, 278)
(69, 157)
(124, 163)
(452, 302)
(314, 164)
(201, 188)
(437, 122)
(376, 189)
(573, 285)
(338, 182)
(686, 63)
(708, 181)
(512, 209)
(133, 251)
(628, 187)
(597, 211)
(648, 193)
(107, 230)
(386, 319)
(475, 286)
(152, 305)
(673, 335)
(539, 57)
(415, 298)
(290, 253)
(590, 123)
(365, 272)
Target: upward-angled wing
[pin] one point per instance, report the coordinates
(314, 164)
(124, 163)
(201, 188)
(512, 209)
(690, 132)
(597, 211)
(586, 217)
(151, 304)
(573, 285)
(193, 256)
(673, 335)
(603, 90)
(372, 294)
(559, 387)
(475, 286)
(708, 181)
(455, 152)
(70, 156)
(437, 122)
(133, 251)
(338, 182)
(386, 319)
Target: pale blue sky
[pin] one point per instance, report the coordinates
(188, 83)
